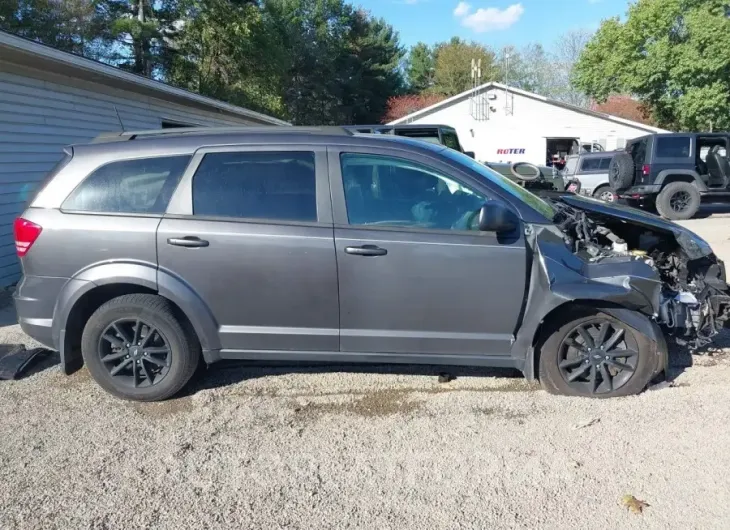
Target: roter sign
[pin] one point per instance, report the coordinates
(517, 151)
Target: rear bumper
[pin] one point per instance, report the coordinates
(636, 192)
(35, 299)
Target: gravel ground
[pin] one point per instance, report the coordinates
(366, 447)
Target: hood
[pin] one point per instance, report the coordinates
(691, 243)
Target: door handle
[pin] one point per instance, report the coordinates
(366, 250)
(187, 241)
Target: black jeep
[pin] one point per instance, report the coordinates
(673, 172)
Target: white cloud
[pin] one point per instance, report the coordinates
(462, 9)
(488, 19)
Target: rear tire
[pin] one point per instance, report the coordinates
(678, 201)
(574, 349)
(606, 194)
(621, 171)
(136, 348)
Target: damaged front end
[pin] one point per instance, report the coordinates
(694, 299)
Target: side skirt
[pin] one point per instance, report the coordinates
(358, 357)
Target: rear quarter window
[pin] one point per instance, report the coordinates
(673, 147)
(143, 185)
(595, 164)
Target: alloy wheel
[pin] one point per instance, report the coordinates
(679, 202)
(607, 196)
(135, 353)
(598, 356)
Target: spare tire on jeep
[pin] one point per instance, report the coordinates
(621, 171)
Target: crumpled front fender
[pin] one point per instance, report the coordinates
(626, 288)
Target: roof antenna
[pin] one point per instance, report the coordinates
(119, 118)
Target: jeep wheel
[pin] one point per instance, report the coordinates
(621, 171)
(135, 348)
(678, 201)
(606, 194)
(596, 355)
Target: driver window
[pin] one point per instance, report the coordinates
(388, 191)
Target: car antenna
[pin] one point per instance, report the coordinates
(121, 123)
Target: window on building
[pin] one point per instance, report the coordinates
(256, 185)
(143, 185)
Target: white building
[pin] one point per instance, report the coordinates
(49, 99)
(505, 124)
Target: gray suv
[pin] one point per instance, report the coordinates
(145, 253)
(591, 170)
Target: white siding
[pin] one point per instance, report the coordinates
(40, 113)
(525, 126)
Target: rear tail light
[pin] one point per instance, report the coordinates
(25, 235)
(645, 170)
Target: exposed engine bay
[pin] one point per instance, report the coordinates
(695, 298)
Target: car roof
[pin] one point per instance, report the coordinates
(188, 140)
(401, 126)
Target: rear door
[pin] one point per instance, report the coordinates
(415, 277)
(250, 231)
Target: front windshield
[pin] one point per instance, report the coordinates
(514, 189)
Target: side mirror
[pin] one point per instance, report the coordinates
(470, 154)
(495, 217)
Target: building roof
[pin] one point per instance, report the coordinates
(31, 53)
(487, 86)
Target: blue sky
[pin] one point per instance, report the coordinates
(492, 22)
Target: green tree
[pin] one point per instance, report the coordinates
(341, 64)
(72, 25)
(224, 50)
(140, 33)
(452, 67)
(672, 55)
(420, 68)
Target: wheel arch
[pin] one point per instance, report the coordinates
(680, 175)
(91, 288)
(632, 318)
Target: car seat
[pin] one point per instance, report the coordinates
(718, 168)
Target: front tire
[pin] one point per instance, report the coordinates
(678, 201)
(136, 348)
(593, 354)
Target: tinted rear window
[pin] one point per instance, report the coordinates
(263, 185)
(595, 164)
(672, 147)
(143, 185)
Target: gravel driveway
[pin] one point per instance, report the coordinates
(366, 447)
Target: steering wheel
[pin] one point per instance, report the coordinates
(526, 178)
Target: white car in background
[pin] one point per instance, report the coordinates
(591, 169)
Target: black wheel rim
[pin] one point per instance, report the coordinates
(598, 356)
(679, 202)
(135, 353)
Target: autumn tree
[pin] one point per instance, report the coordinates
(624, 107)
(400, 106)
(452, 66)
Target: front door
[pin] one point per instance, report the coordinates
(250, 231)
(415, 277)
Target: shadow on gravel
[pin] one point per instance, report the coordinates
(226, 373)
